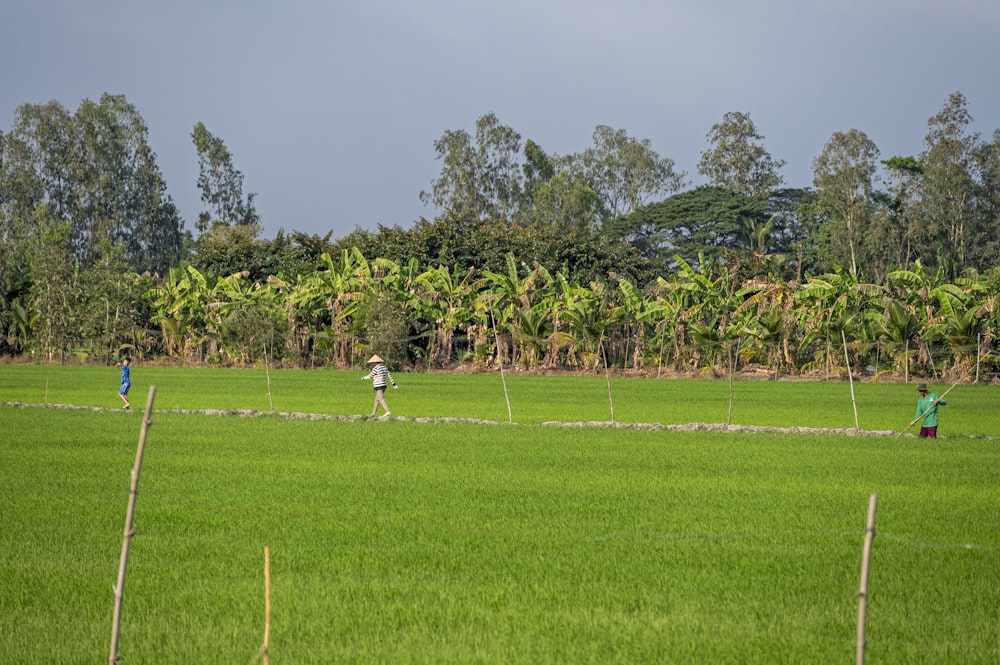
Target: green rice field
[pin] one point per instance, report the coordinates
(459, 531)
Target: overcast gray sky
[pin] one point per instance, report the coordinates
(331, 108)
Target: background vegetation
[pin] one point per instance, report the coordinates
(538, 261)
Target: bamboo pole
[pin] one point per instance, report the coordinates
(267, 603)
(659, 360)
(267, 373)
(731, 366)
(850, 379)
(119, 588)
(607, 379)
(503, 379)
(979, 348)
(863, 589)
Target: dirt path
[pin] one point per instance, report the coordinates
(293, 415)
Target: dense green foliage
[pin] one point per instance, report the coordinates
(430, 542)
(536, 261)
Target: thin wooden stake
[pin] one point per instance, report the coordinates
(850, 379)
(863, 589)
(607, 379)
(267, 603)
(503, 379)
(119, 588)
(267, 372)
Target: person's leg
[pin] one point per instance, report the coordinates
(381, 400)
(378, 394)
(123, 393)
(932, 432)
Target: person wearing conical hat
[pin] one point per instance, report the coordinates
(380, 378)
(927, 412)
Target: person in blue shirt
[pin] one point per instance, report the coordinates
(380, 378)
(927, 407)
(125, 364)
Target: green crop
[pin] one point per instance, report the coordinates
(424, 540)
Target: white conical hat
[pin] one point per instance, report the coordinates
(375, 359)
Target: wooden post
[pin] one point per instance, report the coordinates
(119, 588)
(863, 589)
(267, 603)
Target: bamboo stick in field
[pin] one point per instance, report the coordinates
(850, 379)
(119, 589)
(267, 373)
(267, 603)
(863, 589)
(607, 379)
(503, 379)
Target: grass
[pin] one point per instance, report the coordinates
(534, 399)
(450, 542)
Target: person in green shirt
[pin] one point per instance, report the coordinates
(927, 407)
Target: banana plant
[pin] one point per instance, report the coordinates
(509, 292)
(180, 303)
(831, 308)
(445, 302)
(898, 329)
(767, 306)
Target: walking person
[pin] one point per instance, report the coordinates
(125, 364)
(927, 407)
(380, 378)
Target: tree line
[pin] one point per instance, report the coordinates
(533, 260)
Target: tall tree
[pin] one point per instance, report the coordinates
(706, 221)
(36, 164)
(123, 194)
(844, 175)
(626, 172)
(221, 185)
(556, 195)
(895, 217)
(987, 239)
(95, 171)
(482, 177)
(948, 187)
(738, 159)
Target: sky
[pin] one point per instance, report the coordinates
(330, 108)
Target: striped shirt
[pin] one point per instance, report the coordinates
(379, 376)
